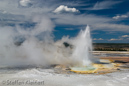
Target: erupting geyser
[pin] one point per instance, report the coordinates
(83, 45)
(85, 63)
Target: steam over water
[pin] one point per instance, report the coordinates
(32, 51)
(39, 49)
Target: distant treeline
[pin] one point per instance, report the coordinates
(111, 46)
(105, 49)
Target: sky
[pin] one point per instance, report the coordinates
(108, 19)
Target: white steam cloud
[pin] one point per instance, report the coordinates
(37, 47)
(32, 50)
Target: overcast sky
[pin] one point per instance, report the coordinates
(108, 19)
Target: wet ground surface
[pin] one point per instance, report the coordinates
(49, 77)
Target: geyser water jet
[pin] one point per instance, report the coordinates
(83, 44)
